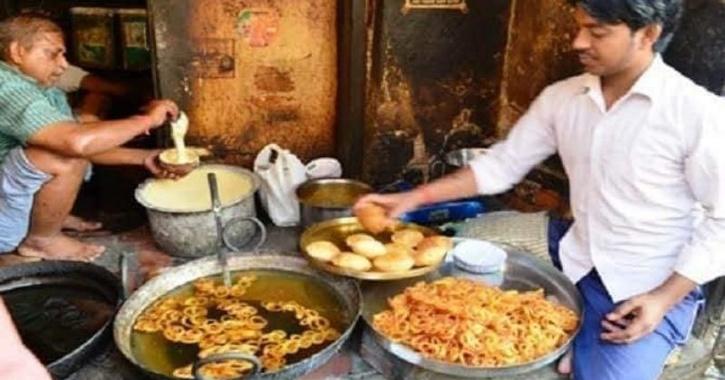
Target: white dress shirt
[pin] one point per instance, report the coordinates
(637, 173)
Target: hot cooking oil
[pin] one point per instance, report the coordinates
(157, 354)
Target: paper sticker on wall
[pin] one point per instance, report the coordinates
(213, 58)
(435, 4)
(258, 26)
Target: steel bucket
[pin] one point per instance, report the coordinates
(194, 234)
(328, 198)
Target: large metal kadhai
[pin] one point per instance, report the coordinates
(336, 230)
(346, 290)
(63, 310)
(521, 272)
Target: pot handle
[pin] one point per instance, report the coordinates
(260, 226)
(125, 270)
(215, 358)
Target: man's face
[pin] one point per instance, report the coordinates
(44, 60)
(606, 49)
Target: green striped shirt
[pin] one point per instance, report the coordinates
(26, 107)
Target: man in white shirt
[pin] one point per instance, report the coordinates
(642, 146)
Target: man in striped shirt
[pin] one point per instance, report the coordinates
(44, 151)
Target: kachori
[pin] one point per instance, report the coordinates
(430, 255)
(369, 248)
(398, 248)
(394, 262)
(348, 260)
(352, 239)
(407, 237)
(432, 250)
(437, 240)
(323, 250)
(374, 218)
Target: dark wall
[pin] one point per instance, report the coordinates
(59, 9)
(698, 48)
(442, 79)
(433, 79)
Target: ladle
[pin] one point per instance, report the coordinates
(216, 207)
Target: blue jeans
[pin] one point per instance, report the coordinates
(596, 359)
(19, 181)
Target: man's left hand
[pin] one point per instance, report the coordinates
(635, 318)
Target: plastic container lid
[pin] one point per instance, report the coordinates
(479, 256)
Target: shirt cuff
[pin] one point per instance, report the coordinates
(697, 265)
(490, 174)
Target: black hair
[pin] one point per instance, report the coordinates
(637, 14)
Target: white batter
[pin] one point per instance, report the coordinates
(178, 133)
(191, 193)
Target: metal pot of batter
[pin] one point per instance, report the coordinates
(181, 216)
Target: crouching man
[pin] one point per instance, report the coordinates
(44, 151)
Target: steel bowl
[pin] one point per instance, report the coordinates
(336, 230)
(328, 198)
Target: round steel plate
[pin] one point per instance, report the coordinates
(521, 272)
(336, 230)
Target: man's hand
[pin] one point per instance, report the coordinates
(161, 110)
(641, 315)
(394, 204)
(152, 163)
(635, 318)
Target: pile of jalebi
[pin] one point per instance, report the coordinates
(238, 328)
(466, 322)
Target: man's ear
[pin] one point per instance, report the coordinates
(650, 35)
(15, 53)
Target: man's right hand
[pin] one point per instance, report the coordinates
(161, 110)
(394, 204)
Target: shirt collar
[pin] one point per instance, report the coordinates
(4, 66)
(650, 81)
(648, 84)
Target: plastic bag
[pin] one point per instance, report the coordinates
(281, 172)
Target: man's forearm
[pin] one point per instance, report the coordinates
(675, 289)
(99, 137)
(461, 184)
(121, 156)
(89, 139)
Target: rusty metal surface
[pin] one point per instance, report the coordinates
(432, 84)
(698, 48)
(250, 72)
(537, 54)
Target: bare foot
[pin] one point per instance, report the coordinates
(59, 247)
(564, 366)
(75, 223)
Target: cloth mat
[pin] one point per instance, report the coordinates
(526, 231)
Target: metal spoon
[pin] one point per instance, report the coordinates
(216, 208)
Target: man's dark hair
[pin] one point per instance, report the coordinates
(637, 14)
